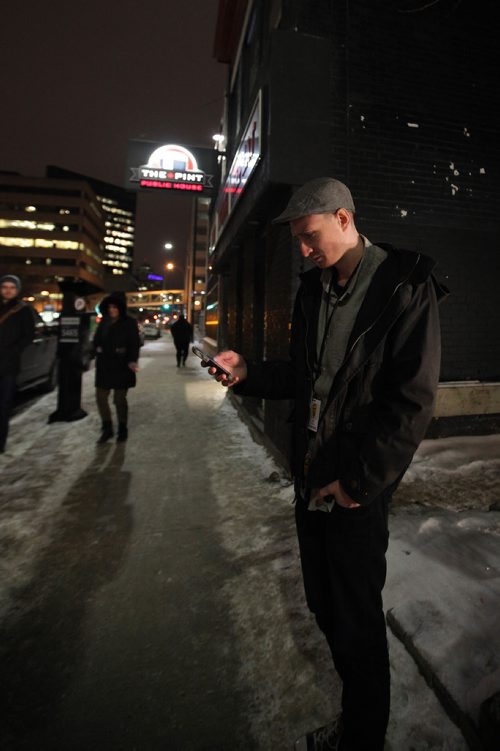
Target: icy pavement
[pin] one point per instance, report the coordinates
(443, 595)
(186, 512)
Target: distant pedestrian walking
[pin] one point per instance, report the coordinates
(116, 346)
(182, 334)
(17, 327)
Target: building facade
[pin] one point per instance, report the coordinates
(397, 99)
(196, 259)
(118, 207)
(51, 230)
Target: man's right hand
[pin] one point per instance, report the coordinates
(234, 363)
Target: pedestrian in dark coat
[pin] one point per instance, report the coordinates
(363, 374)
(116, 346)
(182, 334)
(17, 328)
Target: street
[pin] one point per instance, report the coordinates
(151, 595)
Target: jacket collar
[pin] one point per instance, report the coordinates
(400, 267)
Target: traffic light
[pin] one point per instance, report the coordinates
(166, 306)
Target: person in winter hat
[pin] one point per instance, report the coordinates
(116, 346)
(17, 328)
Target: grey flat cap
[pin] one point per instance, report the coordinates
(319, 196)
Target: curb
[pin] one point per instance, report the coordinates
(450, 706)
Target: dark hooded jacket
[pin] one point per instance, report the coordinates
(17, 330)
(382, 397)
(116, 344)
(182, 332)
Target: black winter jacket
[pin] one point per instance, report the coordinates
(116, 345)
(382, 397)
(16, 332)
(182, 332)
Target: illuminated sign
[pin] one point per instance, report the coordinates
(244, 163)
(171, 167)
(155, 278)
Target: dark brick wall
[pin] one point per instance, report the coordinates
(231, 282)
(414, 134)
(278, 294)
(280, 268)
(247, 301)
(269, 266)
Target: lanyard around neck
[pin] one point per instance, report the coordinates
(328, 320)
(329, 315)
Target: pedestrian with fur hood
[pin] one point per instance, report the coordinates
(17, 328)
(116, 347)
(363, 374)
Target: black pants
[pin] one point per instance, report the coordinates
(344, 569)
(182, 353)
(120, 401)
(7, 391)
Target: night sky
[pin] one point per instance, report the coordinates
(81, 78)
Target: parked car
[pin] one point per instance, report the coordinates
(39, 359)
(152, 329)
(140, 328)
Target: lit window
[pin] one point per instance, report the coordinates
(26, 224)
(61, 244)
(16, 242)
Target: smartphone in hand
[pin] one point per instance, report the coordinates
(211, 362)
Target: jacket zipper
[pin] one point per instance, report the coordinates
(369, 328)
(400, 284)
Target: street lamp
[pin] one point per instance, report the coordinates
(169, 266)
(168, 246)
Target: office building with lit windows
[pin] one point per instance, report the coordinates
(118, 207)
(50, 231)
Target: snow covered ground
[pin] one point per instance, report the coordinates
(457, 473)
(285, 664)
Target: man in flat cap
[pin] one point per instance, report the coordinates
(17, 327)
(363, 372)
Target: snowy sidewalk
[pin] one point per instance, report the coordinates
(152, 592)
(443, 589)
(444, 598)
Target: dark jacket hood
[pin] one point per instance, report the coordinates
(118, 299)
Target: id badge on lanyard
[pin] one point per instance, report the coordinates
(314, 412)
